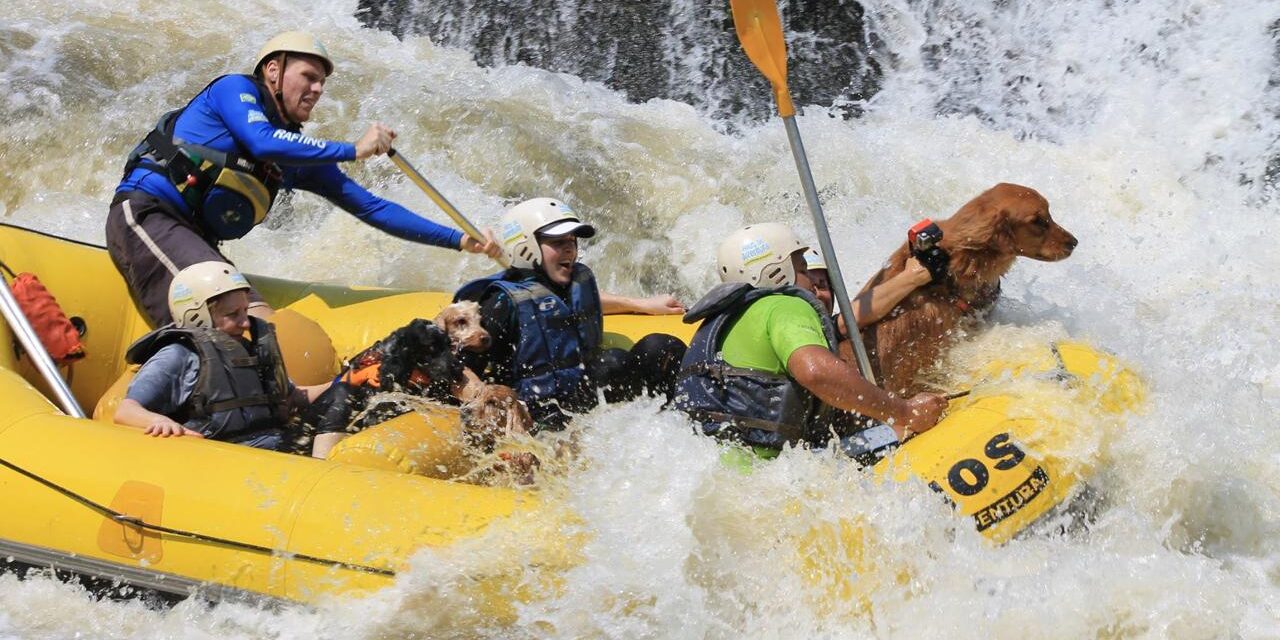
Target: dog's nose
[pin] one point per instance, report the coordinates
(1071, 242)
(485, 341)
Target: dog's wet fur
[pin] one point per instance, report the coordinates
(983, 239)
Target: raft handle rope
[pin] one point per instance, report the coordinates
(200, 537)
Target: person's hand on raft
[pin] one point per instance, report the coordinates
(375, 141)
(164, 427)
(489, 247)
(659, 305)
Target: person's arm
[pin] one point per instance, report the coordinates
(796, 336)
(658, 305)
(131, 413)
(331, 183)
(838, 384)
(236, 100)
(873, 304)
(301, 396)
(160, 387)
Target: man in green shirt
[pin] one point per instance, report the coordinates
(763, 365)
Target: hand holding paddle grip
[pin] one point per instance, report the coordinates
(923, 239)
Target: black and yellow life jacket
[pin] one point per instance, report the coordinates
(242, 388)
(229, 193)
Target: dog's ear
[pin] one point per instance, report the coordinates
(1002, 232)
(446, 315)
(518, 418)
(985, 223)
(421, 330)
(439, 362)
(400, 354)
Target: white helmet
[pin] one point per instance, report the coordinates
(522, 225)
(193, 287)
(294, 42)
(814, 260)
(759, 255)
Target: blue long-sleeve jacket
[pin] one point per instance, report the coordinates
(229, 116)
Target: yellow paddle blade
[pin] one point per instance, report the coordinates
(760, 32)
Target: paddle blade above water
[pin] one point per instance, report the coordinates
(760, 32)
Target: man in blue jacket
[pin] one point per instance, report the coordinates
(209, 172)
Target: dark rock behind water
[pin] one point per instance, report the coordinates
(683, 50)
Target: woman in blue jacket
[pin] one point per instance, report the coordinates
(545, 316)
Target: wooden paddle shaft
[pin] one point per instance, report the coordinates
(441, 201)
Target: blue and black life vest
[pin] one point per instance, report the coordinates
(556, 337)
(238, 392)
(754, 407)
(229, 193)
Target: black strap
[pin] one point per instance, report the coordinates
(789, 432)
(255, 400)
(564, 363)
(719, 370)
(245, 361)
(570, 321)
(179, 168)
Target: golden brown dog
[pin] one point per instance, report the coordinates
(982, 239)
(494, 412)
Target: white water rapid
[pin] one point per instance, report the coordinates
(1150, 126)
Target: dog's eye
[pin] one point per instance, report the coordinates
(1043, 223)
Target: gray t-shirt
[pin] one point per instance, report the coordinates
(166, 380)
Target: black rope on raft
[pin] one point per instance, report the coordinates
(135, 521)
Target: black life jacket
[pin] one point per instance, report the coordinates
(238, 393)
(229, 193)
(754, 407)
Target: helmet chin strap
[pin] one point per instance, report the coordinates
(279, 90)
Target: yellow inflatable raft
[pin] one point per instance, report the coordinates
(177, 514)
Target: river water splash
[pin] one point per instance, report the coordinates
(1150, 125)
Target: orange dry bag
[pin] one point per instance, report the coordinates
(58, 335)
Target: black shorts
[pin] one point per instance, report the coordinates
(150, 243)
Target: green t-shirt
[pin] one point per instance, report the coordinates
(769, 331)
